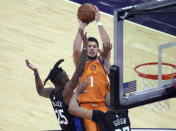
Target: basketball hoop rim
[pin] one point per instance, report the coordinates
(155, 77)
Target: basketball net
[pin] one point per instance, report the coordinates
(145, 81)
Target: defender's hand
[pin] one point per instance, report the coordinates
(32, 67)
(82, 86)
(106, 49)
(84, 38)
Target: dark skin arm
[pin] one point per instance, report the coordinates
(45, 92)
(71, 85)
(74, 108)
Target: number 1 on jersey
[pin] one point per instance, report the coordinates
(91, 81)
(61, 118)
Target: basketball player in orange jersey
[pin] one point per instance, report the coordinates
(96, 69)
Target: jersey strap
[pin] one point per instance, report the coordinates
(102, 65)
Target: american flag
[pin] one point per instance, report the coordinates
(129, 87)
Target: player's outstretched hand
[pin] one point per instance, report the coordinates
(32, 67)
(82, 86)
(84, 38)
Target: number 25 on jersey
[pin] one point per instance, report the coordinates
(61, 118)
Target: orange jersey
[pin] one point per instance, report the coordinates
(99, 85)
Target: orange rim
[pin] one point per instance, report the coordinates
(155, 77)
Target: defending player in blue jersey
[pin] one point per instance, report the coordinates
(61, 94)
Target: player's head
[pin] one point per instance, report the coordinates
(93, 47)
(57, 75)
(107, 100)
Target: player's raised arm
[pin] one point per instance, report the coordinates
(104, 35)
(68, 91)
(107, 46)
(74, 107)
(77, 43)
(45, 92)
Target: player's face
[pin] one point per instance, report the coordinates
(92, 49)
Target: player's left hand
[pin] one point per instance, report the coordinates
(32, 67)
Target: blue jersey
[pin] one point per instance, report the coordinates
(67, 121)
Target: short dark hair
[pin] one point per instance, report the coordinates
(94, 40)
(54, 72)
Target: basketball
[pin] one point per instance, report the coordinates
(86, 13)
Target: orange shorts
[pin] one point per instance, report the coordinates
(91, 125)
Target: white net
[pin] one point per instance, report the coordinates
(144, 83)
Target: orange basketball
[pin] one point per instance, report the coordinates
(86, 13)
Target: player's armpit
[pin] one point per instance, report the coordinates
(107, 65)
(106, 55)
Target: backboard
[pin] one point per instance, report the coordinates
(134, 45)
